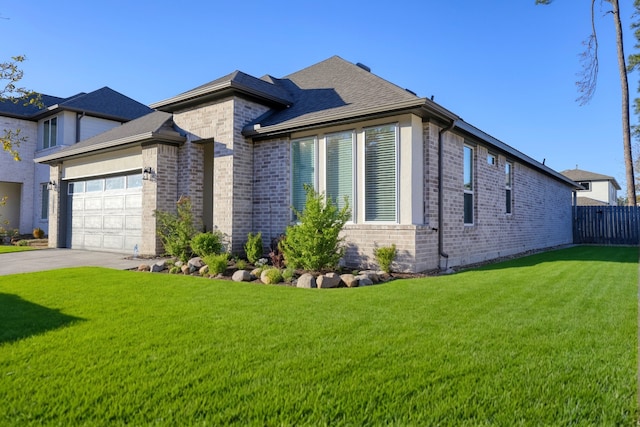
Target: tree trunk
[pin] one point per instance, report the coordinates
(626, 128)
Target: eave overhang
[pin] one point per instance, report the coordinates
(218, 91)
(116, 144)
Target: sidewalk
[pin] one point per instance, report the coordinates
(51, 259)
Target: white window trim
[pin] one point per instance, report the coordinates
(56, 133)
(354, 165)
(473, 186)
(397, 172)
(509, 187)
(315, 169)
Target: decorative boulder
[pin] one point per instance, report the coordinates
(144, 267)
(204, 270)
(186, 269)
(241, 276)
(364, 280)
(306, 281)
(329, 280)
(349, 280)
(196, 262)
(255, 272)
(372, 275)
(158, 267)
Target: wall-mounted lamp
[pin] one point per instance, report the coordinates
(147, 173)
(52, 186)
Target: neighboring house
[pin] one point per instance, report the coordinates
(415, 174)
(597, 189)
(58, 123)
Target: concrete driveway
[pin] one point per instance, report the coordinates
(51, 259)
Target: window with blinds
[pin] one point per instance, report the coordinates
(380, 173)
(339, 171)
(303, 153)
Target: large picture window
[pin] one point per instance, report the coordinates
(380, 175)
(339, 173)
(50, 133)
(303, 160)
(468, 185)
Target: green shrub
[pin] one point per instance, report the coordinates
(288, 274)
(385, 256)
(22, 243)
(253, 247)
(217, 263)
(175, 270)
(241, 264)
(314, 244)
(177, 230)
(209, 243)
(273, 276)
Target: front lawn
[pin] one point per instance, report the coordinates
(549, 339)
(5, 249)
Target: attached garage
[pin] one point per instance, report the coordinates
(105, 213)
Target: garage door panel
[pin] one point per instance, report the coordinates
(113, 222)
(93, 222)
(93, 241)
(133, 222)
(92, 203)
(113, 242)
(114, 202)
(134, 201)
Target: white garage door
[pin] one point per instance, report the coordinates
(106, 213)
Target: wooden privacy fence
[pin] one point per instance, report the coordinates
(607, 225)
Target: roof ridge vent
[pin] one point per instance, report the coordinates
(364, 67)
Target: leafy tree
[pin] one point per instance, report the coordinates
(11, 74)
(587, 84)
(314, 243)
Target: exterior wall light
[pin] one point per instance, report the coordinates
(147, 173)
(52, 186)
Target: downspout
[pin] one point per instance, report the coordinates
(79, 117)
(441, 251)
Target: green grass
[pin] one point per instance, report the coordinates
(5, 249)
(549, 339)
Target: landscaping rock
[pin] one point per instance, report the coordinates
(158, 267)
(196, 262)
(364, 280)
(306, 281)
(372, 275)
(178, 264)
(255, 273)
(349, 280)
(187, 269)
(329, 280)
(144, 267)
(204, 270)
(242, 276)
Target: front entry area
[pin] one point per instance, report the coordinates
(105, 213)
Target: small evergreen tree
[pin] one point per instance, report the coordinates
(177, 230)
(253, 247)
(314, 243)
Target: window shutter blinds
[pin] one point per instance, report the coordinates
(303, 172)
(380, 173)
(340, 168)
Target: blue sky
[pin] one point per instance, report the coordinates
(507, 67)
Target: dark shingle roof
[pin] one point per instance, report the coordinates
(582, 175)
(334, 87)
(236, 81)
(104, 102)
(157, 125)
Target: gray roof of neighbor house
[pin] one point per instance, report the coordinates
(582, 175)
(104, 103)
(156, 126)
(588, 201)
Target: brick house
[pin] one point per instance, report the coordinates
(242, 147)
(58, 123)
